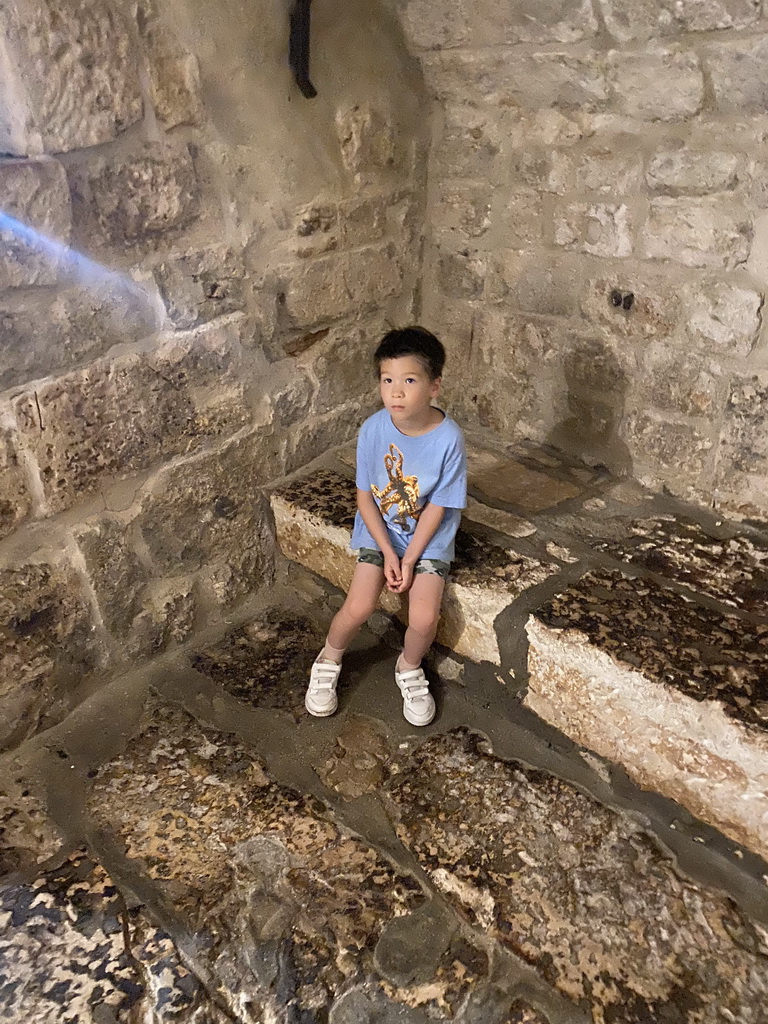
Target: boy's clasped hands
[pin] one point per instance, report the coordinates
(397, 573)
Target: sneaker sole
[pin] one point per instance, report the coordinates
(322, 714)
(417, 721)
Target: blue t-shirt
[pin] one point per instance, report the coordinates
(404, 473)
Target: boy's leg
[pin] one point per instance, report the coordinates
(424, 600)
(362, 598)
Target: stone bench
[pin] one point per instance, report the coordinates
(648, 643)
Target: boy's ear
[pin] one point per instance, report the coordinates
(436, 385)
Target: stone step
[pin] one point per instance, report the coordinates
(654, 657)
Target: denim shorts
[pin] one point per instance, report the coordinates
(433, 566)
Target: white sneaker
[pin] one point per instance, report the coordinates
(321, 699)
(418, 702)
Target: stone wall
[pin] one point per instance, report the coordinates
(598, 245)
(194, 264)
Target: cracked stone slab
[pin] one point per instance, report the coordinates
(72, 950)
(313, 520)
(733, 570)
(674, 692)
(582, 894)
(266, 663)
(236, 854)
(358, 762)
(27, 835)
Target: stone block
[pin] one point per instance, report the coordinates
(27, 835)
(139, 200)
(530, 284)
(363, 221)
(120, 416)
(461, 276)
(330, 287)
(367, 139)
(641, 676)
(343, 366)
(115, 571)
(209, 513)
(677, 453)
(724, 317)
(659, 84)
(469, 152)
(697, 232)
(45, 332)
(684, 171)
(681, 382)
(462, 215)
(521, 221)
(582, 894)
(317, 229)
(72, 70)
(167, 617)
(431, 26)
(644, 19)
(310, 438)
(46, 643)
(313, 521)
(201, 285)
(598, 169)
(15, 499)
(174, 78)
(566, 81)
(735, 69)
(655, 310)
(35, 199)
(744, 437)
(600, 229)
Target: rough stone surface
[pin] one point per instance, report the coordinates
(601, 229)
(726, 316)
(210, 512)
(676, 172)
(697, 233)
(174, 78)
(358, 764)
(27, 836)
(692, 686)
(45, 642)
(743, 445)
(73, 70)
(36, 197)
(201, 285)
(677, 453)
(628, 20)
(684, 384)
(140, 200)
(115, 572)
(266, 663)
(120, 416)
(492, 838)
(431, 26)
(15, 500)
(732, 68)
(657, 85)
(70, 926)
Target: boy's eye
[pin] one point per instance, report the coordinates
(410, 380)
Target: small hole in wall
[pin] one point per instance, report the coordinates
(616, 298)
(628, 301)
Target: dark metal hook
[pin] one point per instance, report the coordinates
(298, 47)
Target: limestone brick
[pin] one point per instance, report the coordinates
(469, 152)
(317, 229)
(15, 500)
(601, 229)
(72, 70)
(723, 316)
(744, 438)
(36, 196)
(137, 200)
(431, 26)
(737, 79)
(52, 331)
(120, 416)
(532, 284)
(677, 453)
(522, 219)
(677, 171)
(697, 232)
(462, 215)
(311, 437)
(660, 84)
(115, 572)
(601, 169)
(643, 19)
(201, 285)
(167, 617)
(681, 383)
(654, 312)
(564, 80)
(46, 642)
(209, 513)
(174, 78)
(343, 368)
(367, 139)
(461, 275)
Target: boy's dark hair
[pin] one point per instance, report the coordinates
(413, 341)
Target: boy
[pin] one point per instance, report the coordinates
(411, 487)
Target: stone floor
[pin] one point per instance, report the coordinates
(191, 846)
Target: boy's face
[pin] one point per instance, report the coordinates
(406, 388)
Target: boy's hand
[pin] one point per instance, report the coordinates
(406, 579)
(392, 572)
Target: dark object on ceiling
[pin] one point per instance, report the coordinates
(298, 47)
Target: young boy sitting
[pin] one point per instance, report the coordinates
(411, 487)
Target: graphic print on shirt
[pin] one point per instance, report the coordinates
(401, 491)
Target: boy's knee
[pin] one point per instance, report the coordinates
(423, 620)
(359, 611)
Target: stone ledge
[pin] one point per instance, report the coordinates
(314, 517)
(674, 693)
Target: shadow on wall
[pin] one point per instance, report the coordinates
(596, 387)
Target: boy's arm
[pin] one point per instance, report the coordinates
(429, 520)
(372, 518)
